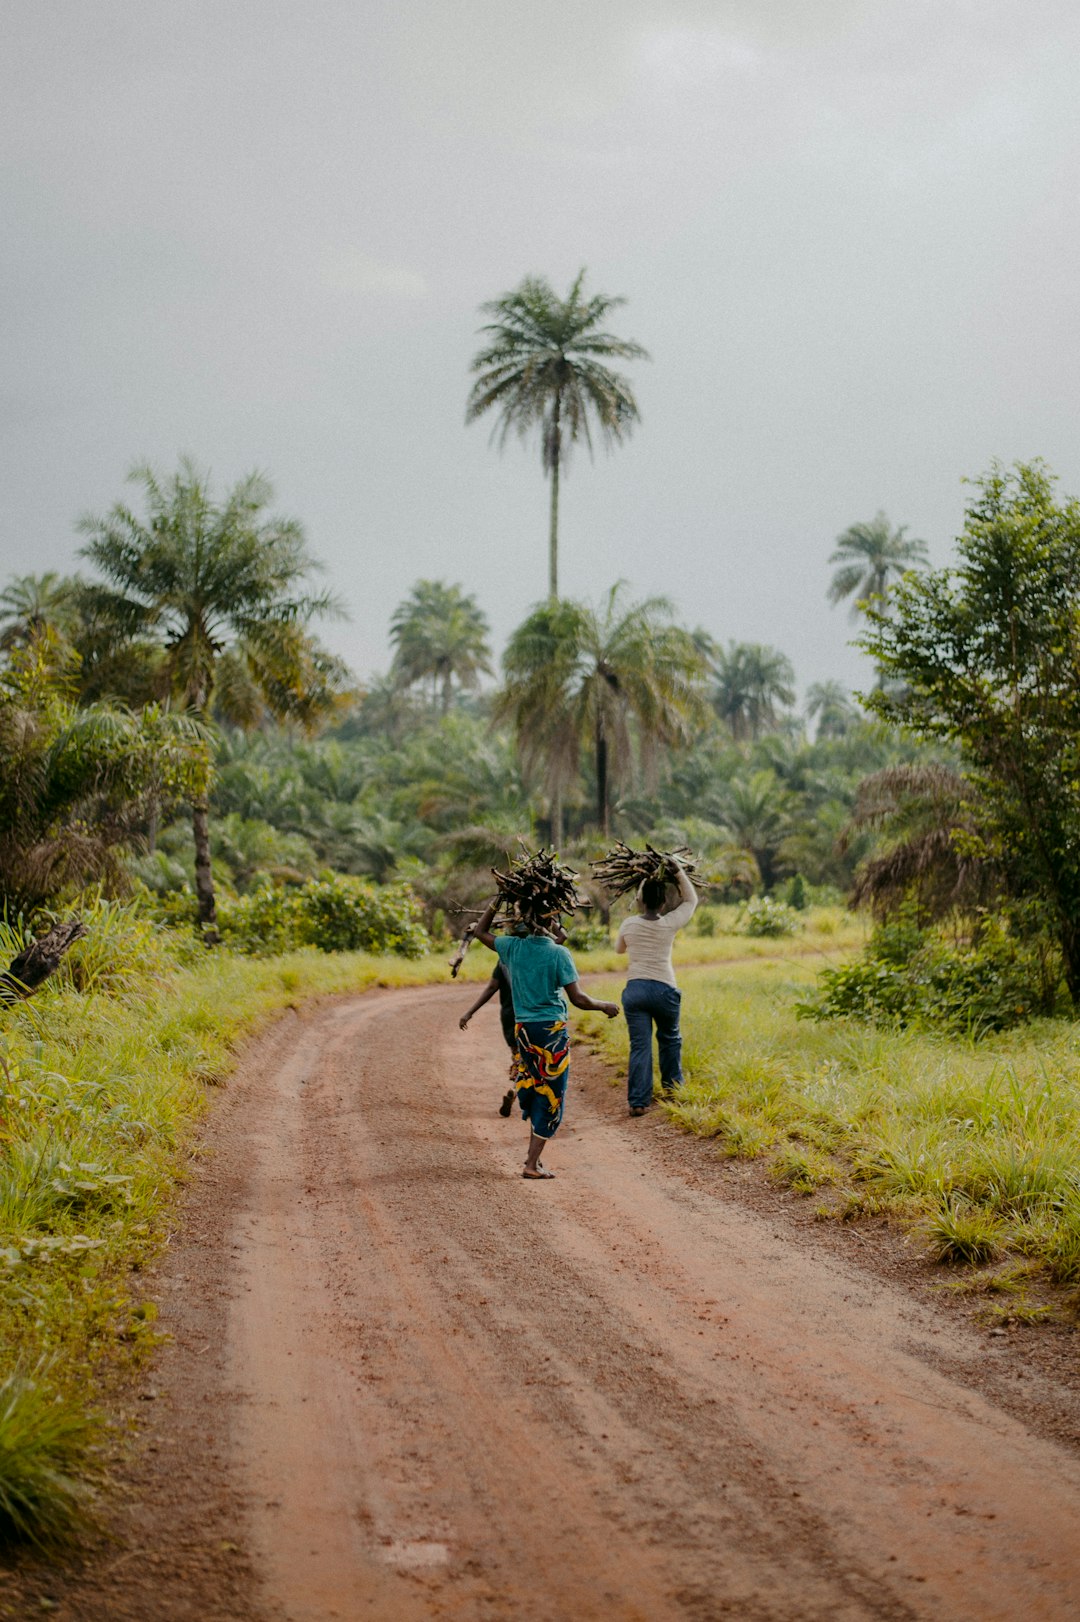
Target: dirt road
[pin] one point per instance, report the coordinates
(408, 1385)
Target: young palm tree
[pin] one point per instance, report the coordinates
(753, 682)
(871, 556)
(78, 782)
(441, 633)
(757, 812)
(203, 578)
(609, 680)
(547, 367)
(33, 603)
(831, 703)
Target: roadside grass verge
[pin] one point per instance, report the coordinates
(103, 1077)
(974, 1145)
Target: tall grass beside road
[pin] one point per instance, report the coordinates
(103, 1077)
(975, 1144)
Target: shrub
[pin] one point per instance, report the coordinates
(764, 916)
(588, 936)
(343, 914)
(912, 977)
(795, 893)
(265, 923)
(704, 922)
(336, 913)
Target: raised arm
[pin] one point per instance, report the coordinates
(682, 914)
(483, 928)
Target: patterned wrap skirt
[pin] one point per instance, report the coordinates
(543, 1052)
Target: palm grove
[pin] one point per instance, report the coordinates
(173, 725)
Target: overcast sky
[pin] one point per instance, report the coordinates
(258, 232)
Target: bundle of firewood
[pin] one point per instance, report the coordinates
(538, 889)
(624, 869)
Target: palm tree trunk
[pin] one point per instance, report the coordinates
(601, 778)
(557, 818)
(553, 532)
(204, 878)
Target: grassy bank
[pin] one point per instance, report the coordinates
(103, 1077)
(973, 1144)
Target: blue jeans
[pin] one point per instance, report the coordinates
(645, 1002)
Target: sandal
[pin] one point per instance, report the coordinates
(540, 1175)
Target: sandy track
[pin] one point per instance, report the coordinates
(468, 1396)
(436, 1391)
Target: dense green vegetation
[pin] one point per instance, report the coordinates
(102, 1077)
(193, 773)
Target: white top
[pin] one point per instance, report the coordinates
(649, 940)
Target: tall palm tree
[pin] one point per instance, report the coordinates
(547, 367)
(871, 556)
(441, 633)
(752, 683)
(204, 578)
(623, 681)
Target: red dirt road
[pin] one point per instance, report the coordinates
(434, 1390)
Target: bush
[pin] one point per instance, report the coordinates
(912, 977)
(344, 914)
(336, 913)
(704, 922)
(764, 916)
(795, 893)
(588, 936)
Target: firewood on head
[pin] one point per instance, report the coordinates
(538, 890)
(624, 869)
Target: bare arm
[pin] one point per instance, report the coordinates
(682, 914)
(483, 928)
(620, 944)
(485, 996)
(581, 999)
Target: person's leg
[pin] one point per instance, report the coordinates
(537, 1145)
(509, 1030)
(639, 1078)
(668, 1037)
(545, 1054)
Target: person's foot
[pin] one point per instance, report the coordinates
(537, 1174)
(508, 1102)
(638, 1109)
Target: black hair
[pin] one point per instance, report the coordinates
(653, 892)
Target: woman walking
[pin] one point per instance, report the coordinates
(651, 995)
(540, 971)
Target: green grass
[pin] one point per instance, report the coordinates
(976, 1145)
(103, 1077)
(105, 1074)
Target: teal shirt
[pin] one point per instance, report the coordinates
(538, 969)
